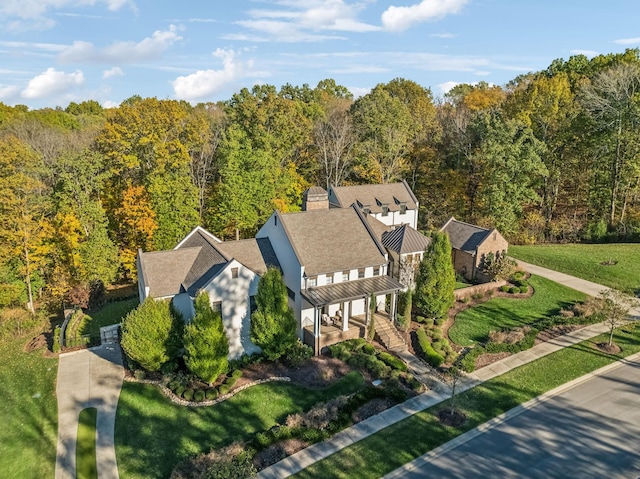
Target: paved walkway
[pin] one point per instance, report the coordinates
(303, 459)
(88, 378)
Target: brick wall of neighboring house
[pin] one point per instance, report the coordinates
(477, 289)
(495, 244)
(463, 263)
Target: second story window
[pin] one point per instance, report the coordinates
(376, 271)
(345, 276)
(403, 208)
(385, 210)
(360, 273)
(330, 278)
(366, 210)
(312, 281)
(234, 272)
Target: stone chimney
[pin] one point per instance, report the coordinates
(315, 198)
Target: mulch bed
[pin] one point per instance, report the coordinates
(556, 331)
(277, 452)
(450, 418)
(608, 348)
(373, 407)
(489, 358)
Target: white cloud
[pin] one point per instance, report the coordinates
(110, 104)
(112, 72)
(357, 92)
(356, 69)
(205, 83)
(46, 47)
(149, 48)
(586, 53)
(52, 82)
(400, 18)
(8, 92)
(627, 41)
(303, 20)
(442, 35)
(447, 86)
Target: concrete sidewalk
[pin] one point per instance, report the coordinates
(88, 378)
(302, 459)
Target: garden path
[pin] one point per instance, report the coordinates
(88, 378)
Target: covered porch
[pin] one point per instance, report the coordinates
(342, 311)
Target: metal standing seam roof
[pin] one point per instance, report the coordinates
(464, 236)
(405, 239)
(350, 290)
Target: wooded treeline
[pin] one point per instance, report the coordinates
(551, 156)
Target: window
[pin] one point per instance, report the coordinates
(403, 208)
(312, 281)
(360, 273)
(234, 272)
(385, 210)
(330, 278)
(216, 306)
(376, 271)
(345, 276)
(291, 294)
(252, 305)
(366, 210)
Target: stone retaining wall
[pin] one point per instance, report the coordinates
(478, 289)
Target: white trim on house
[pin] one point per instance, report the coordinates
(198, 229)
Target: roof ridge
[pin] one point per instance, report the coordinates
(367, 226)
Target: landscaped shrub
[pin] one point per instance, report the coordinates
(524, 288)
(179, 390)
(319, 416)
(514, 290)
(139, 374)
(392, 361)
(236, 374)
(468, 361)
(340, 351)
(368, 349)
(173, 385)
(56, 340)
(199, 395)
(298, 354)
(477, 296)
(231, 381)
(188, 394)
(421, 319)
(427, 351)
(211, 394)
(224, 389)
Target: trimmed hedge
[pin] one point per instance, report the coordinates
(392, 361)
(211, 393)
(188, 394)
(427, 351)
(199, 395)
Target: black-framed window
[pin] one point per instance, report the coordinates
(345, 276)
(234, 272)
(329, 278)
(216, 306)
(376, 271)
(385, 210)
(312, 281)
(403, 208)
(253, 306)
(360, 273)
(291, 294)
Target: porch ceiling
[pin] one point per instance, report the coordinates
(350, 290)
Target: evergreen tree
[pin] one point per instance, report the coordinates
(205, 342)
(436, 279)
(151, 334)
(273, 326)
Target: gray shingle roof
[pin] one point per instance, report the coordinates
(330, 240)
(256, 255)
(405, 239)
(464, 236)
(378, 227)
(165, 272)
(350, 290)
(374, 196)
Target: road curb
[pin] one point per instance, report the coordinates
(511, 413)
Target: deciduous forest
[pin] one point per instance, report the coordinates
(553, 156)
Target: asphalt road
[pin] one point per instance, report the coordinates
(589, 431)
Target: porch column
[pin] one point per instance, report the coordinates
(345, 317)
(394, 306)
(316, 331)
(367, 314)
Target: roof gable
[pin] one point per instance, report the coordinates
(255, 254)
(166, 272)
(331, 240)
(464, 236)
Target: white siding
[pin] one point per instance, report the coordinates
(233, 293)
(394, 218)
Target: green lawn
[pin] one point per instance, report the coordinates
(111, 313)
(460, 285)
(474, 324)
(402, 442)
(584, 261)
(86, 467)
(28, 409)
(153, 434)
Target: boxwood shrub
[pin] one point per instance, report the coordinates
(427, 351)
(199, 395)
(188, 394)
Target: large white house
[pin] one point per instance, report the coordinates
(332, 257)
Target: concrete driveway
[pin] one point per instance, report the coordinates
(88, 378)
(589, 429)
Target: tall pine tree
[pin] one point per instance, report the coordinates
(205, 342)
(436, 279)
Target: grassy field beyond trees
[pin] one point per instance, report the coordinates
(586, 261)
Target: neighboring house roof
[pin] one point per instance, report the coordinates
(464, 236)
(404, 239)
(374, 196)
(256, 255)
(329, 240)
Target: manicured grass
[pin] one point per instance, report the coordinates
(460, 285)
(153, 434)
(28, 410)
(474, 324)
(584, 261)
(86, 467)
(110, 313)
(402, 442)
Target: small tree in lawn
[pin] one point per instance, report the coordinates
(205, 342)
(273, 326)
(455, 374)
(614, 308)
(436, 278)
(152, 334)
(498, 267)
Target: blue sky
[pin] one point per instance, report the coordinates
(56, 51)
